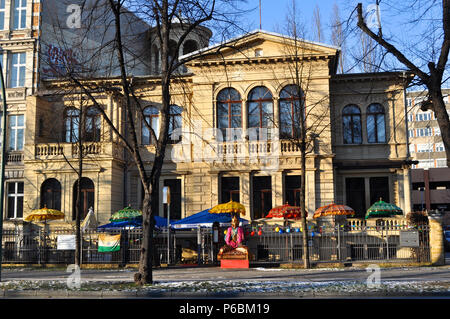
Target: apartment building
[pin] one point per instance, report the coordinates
(425, 142)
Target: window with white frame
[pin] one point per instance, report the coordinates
(17, 74)
(412, 148)
(421, 148)
(423, 116)
(439, 147)
(410, 133)
(408, 101)
(15, 200)
(410, 117)
(20, 14)
(16, 132)
(2, 14)
(424, 131)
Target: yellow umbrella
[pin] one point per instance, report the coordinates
(44, 214)
(230, 207)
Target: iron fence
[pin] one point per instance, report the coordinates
(347, 242)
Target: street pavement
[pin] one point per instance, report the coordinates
(192, 274)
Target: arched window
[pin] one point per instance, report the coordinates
(71, 124)
(93, 125)
(175, 122)
(155, 59)
(51, 194)
(189, 46)
(151, 116)
(87, 196)
(351, 118)
(291, 104)
(172, 50)
(229, 110)
(376, 131)
(260, 108)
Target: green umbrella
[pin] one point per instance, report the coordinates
(126, 214)
(383, 209)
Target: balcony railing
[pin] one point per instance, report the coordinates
(71, 150)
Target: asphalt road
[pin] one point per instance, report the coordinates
(251, 274)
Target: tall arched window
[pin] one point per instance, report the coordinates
(351, 118)
(71, 124)
(260, 108)
(175, 122)
(189, 46)
(93, 125)
(155, 59)
(376, 131)
(229, 110)
(51, 194)
(87, 196)
(291, 104)
(151, 116)
(173, 50)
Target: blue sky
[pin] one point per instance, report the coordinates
(419, 40)
(274, 13)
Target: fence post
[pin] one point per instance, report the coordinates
(436, 241)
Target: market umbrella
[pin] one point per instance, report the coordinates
(286, 211)
(333, 209)
(383, 209)
(125, 214)
(90, 222)
(230, 208)
(44, 214)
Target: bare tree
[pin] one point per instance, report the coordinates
(317, 25)
(435, 42)
(172, 22)
(338, 37)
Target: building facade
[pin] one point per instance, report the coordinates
(356, 142)
(240, 100)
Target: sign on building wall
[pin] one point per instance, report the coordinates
(66, 242)
(409, 238)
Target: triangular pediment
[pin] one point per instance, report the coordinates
(261, 44)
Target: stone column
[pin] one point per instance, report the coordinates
(407, 189)
(310, 193)
(437, 251)
(245, 192)
(277, 189)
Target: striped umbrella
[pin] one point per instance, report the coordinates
(230, 207)
(333, 209)
(126, 214)
(286, 211)
(383, 209)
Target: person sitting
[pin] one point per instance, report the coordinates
(234, 249)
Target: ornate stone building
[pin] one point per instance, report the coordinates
(357, 143)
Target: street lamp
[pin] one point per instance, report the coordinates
(2, 167)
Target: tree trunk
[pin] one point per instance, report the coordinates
(145, 274)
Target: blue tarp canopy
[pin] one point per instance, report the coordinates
(205, 219)
(136, 223)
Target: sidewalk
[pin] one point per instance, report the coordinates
(214, 282)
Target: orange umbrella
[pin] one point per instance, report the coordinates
(286, 211)
(333, 209)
